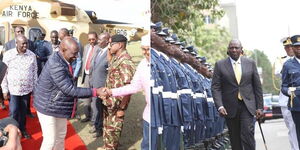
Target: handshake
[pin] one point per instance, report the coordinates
(104, 92)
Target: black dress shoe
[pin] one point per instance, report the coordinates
(25, 135)
(98, 134)
(85, 120)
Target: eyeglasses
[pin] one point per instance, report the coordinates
(232, 48)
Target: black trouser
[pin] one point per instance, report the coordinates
(97, 113)
(241, 129)
(296, 119)
(87, 101)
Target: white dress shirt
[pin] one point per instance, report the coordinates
(21, 74)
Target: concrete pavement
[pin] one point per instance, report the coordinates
(276, 135)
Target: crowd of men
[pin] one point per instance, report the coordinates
(49, 71)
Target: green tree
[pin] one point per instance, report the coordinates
(186, 18)
(262, 61)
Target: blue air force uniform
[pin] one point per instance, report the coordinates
(291, 84)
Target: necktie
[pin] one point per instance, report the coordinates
(237, 73)
(88, 62)
(70, 69)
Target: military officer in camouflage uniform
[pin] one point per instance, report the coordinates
(120, 72)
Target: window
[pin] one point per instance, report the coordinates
(34, 33)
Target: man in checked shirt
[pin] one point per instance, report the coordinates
(20, 78)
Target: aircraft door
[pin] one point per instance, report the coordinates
(34, 33)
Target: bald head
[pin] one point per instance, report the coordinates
(103, 39)
(63, 32)
(69, 49)
(235, 49)
(22, 43)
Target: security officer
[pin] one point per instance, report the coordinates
(185, 98)
(291, 83)
(283, 100)
(156, 99)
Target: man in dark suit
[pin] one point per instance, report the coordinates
(291, 83)
(19, 30)
(238, 96)
(97, 79)
(88, 53)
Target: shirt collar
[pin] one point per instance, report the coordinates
(17, 53)
(297, 59)
(233, 61)
(164, 55)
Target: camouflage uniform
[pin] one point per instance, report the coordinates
(120, 73)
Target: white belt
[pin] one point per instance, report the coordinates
(184, 91)
(160, 88)
(155, 90)
(210, 99)
(194, 96)
(169, 95)
(200, 95)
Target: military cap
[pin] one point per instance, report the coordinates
(186, 50)
(174, 36)
(181, 47)
(169, 39)
(161, 33)
(195, 50)
(157, 27)
(178, 43)
(286, 41)
(166, 30)
(295, 40)
(190, 48)
(172, 42)
(202, 59)
(118, 38)
(159, 24)
(183, 44)
(193, 53)
(152, 25)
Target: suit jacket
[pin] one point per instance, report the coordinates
(98, 70)
(291, 78)
(84, 57)
(225, 87)
(12, 44)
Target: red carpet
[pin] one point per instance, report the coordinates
(72, 142)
